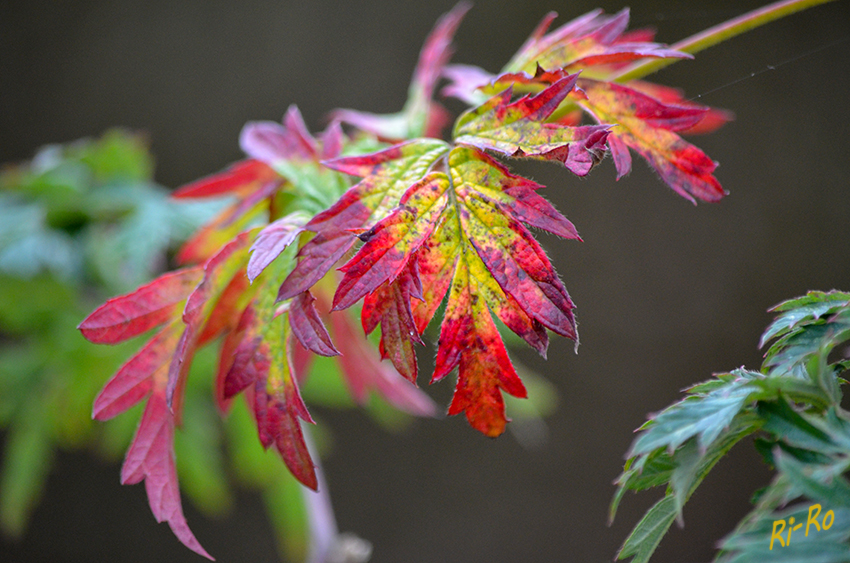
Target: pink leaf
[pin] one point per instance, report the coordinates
(151, 458)
(271, 241)
(307, 327)
(134, 380)
(124, 317)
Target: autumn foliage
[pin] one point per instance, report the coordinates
(391, 223)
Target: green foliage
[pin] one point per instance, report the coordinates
(793, 407)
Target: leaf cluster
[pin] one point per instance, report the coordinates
(49, 374)
(792, 406)
(380, 221)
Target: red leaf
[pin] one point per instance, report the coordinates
(245, 366)
(466, 234)
(152, 304)
(134, 381)
(151, 458)
(712, 119)
(243, 177)
(469, 339)
(387, 175)
(517, 129)
(646, 125)
(225, 389)
(590, 40)
(389, 306)
(393, 239)
(224, 316)
(475, 239)
(437, 50)
(307, 327)
(278, 421)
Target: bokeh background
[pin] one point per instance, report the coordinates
(667, 292)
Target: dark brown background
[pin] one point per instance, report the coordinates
(667, 292)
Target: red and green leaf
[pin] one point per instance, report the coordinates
(470, 341)
(468, 229)
(647, 126)
(261, 366)
(219, 273)
(386, 176)
(589, 40)
(645, 117)
(436, 223)
(506, 248)
(519, 129)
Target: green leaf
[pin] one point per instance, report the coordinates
(704, 416)
(781, 420)
(646, 536)
(795, 312)
(687, 461)
(27, 458)
(685, 471)
(118, 154)
(752, 543)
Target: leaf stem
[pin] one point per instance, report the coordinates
(717, 34)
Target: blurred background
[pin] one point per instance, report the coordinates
(667, 292)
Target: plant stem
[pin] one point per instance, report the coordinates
(717, 34)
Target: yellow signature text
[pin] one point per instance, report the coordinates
(812, 520)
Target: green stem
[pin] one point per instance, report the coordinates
(716, 34)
